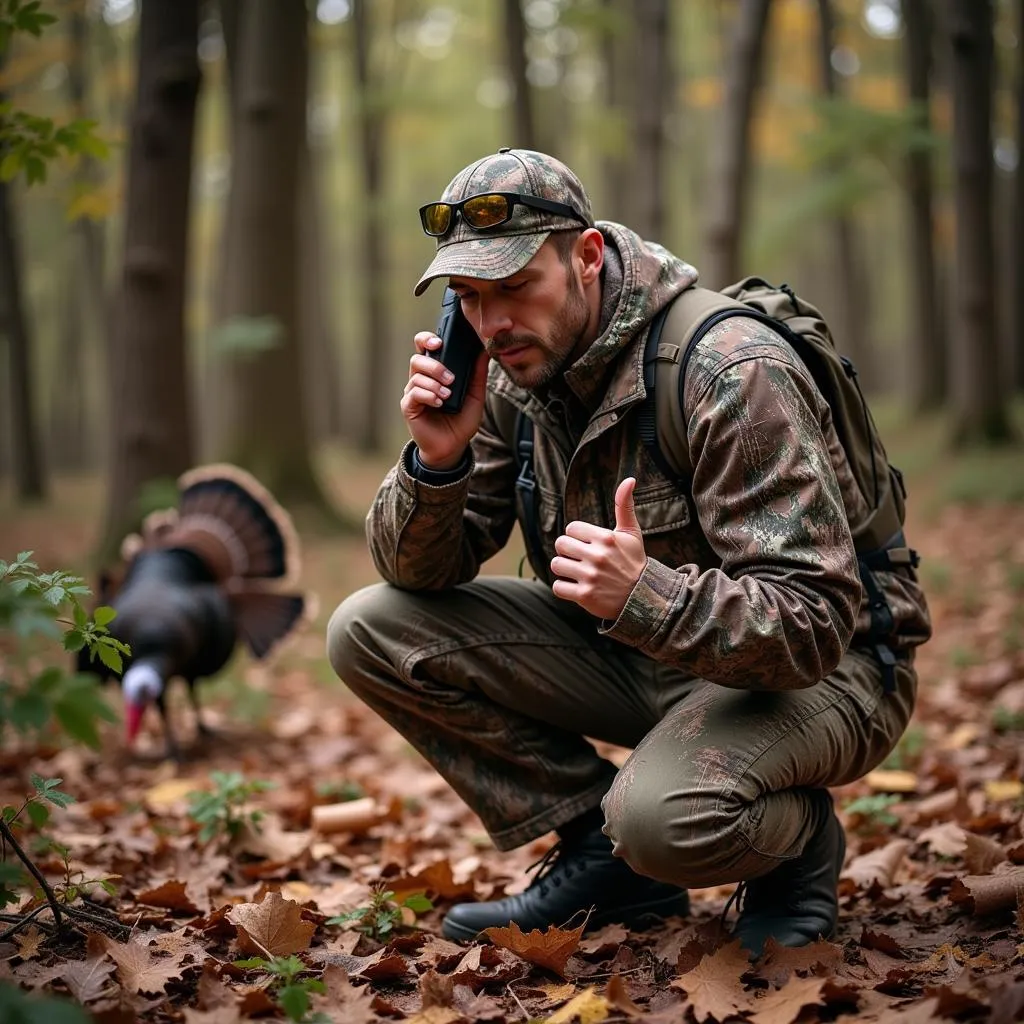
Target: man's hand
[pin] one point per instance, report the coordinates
(598, 568)
(441, 437)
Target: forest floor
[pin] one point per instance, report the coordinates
(932, 895)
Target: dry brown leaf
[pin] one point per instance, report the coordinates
(777, 962)
(343, 1001)
(947, 839)
(436, 989)
(220, 1015)
(488, 965)
(878, 866)
(587, 1007)
(436, 880)
(550, 948)
(985, 894)
(436, 1015)
(138, 969)
(1002, 790)
(714, 985)
(171, 895)
(783, 1006)
(892, 780)
(604, 941)
(171, 796)
(937, 807)
(29, 942)
(982, 854)
(556, 992)
(377, 966)
(87, 979)
(273, 927)
(617, 994)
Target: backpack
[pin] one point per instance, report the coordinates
(675, 331)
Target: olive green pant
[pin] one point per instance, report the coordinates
(498, 682)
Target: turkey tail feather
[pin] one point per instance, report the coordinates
(266, 620)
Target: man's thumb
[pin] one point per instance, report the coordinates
(625, 514)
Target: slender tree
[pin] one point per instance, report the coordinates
(372, 131)
(1018, 236)
(731, 164)
(26, 449)
(651, 96)
(977, 380)
(615, 41)
(928, 339)
(267, 430)
(524, 132)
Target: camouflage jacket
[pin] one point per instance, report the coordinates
(751, 580)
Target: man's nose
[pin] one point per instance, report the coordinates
(494, 318)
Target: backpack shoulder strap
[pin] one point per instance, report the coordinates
(674, 332)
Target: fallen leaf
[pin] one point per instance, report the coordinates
(982, 854)
(1001, 790)
(588, 1007)
(962, 736)
(985, 894)
(938, 806)
(377, 966)
(273, 927)
(604, 941)
(87, 979)
(947, 839)
(435, 879)
(483, 965)
(783, 1006)
(171, 796)
(29, 942)
(892, 780)
(618, 997)
(879, 866)
(778, 963)
(343, 1001)
(881, 941)
(550, 948)
(138, 969)
(714, 985)
(436, 1015)
(555, 992)
(435, 989)
(221, 1015)
(171, 895)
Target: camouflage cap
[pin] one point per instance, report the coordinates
(494, 253)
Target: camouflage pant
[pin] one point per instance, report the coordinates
(497, 683)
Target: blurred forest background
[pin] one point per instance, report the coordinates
(223, 267)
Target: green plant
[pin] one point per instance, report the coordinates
(341, 791)
(32, 698)
(27, 141)
(382, 914)
(22, 873)
(873, 812)
(17, 1007)
(292, 990)
(964, 657)
(222, 810)
(1005, 720)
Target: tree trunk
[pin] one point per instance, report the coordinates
(149, 393)
(927, 350)
(380, 388)
(26, 453)
(978, 400)
(615, 37)
(1018, 236)
(730, 160)
(650, 100)
(86, 304)
(524, 132)
(268, 432)
(852, 291)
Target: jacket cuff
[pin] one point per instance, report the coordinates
(416, 475)
(647, 606)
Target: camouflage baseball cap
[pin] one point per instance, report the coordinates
(494, 253)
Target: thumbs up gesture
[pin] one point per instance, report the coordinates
(598, 568)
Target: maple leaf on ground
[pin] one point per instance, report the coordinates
(343, 1000)
(87, 979)
(477, 1007)
(550, 948)
(878, 865)
(714, 986)
(435, 1015)
(436, 879)
(377, 966)
(487, 965)
(617, 995)
(171, 895)
(946, 839)
(29, 942)
(783, 1006)
(777, 962)
(436, 989)
(273, 927)
(603, 942)
(138, 969)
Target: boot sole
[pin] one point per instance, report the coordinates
(640, 914)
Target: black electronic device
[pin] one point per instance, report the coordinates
(459, 351)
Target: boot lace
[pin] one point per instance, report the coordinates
(551, 868)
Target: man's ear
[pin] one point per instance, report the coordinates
(590, 251)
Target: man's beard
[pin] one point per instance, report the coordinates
(567, 329)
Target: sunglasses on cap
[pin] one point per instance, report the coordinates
(487, 210)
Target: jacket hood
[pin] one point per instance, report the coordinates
(640, 278)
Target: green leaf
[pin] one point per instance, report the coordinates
(37, 814)
(29, 710)
(418, 902)
(74, 640)
(104, 615)
(111, 658)
(77, 720)
(294, 1000)
(10, 165)
(253, 963)
(61, 799)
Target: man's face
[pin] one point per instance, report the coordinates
(531, 322)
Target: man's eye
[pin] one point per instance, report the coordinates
(516, 287)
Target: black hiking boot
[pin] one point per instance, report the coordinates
(575, 875)
(798, 901)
